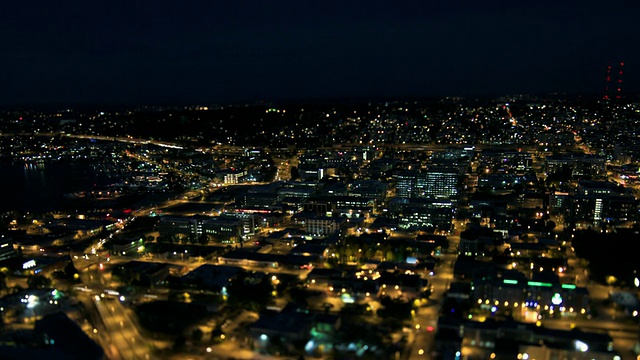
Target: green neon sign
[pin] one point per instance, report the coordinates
(508, 281)
(568, 286)
(541, 284)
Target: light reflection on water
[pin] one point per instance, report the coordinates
(40, 186)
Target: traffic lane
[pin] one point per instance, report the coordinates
(123, 332)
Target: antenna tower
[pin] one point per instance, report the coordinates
(607, 83)
(619, 87)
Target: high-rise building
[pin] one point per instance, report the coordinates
(439, 184)
(405, 184)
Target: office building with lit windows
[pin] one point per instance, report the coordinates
(217, 229)
(323, 225)
(437, 183)
(6, 248)
(597, 202)
(405, 184)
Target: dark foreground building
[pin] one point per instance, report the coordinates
(55, 336)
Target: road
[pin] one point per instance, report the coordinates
(122, 329)
(624, 330)
(284, 167)
(422, 339)
(114, 327)
(127, 139)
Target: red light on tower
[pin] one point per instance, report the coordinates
(620, 73)
(607, 83)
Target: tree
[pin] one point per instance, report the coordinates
(354, 309)
(197, 335)
(3, 282)
(179, 343)
(452, 307)
(299, 295)
(248, 294)
(38, 282)
(203, 239)
(70, 270)
(518, 188)
(395, 309)
(550, 225)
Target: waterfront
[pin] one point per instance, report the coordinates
(40, 187)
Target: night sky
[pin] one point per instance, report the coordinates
(134, 52)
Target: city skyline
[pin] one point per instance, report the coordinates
(376, 230)
(161, 52)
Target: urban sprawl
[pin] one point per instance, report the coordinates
(445, 229)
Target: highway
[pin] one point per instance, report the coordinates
(126, 139)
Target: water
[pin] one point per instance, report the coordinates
(41, 187)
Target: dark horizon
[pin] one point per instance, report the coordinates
(200, 52)
(354, 100)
